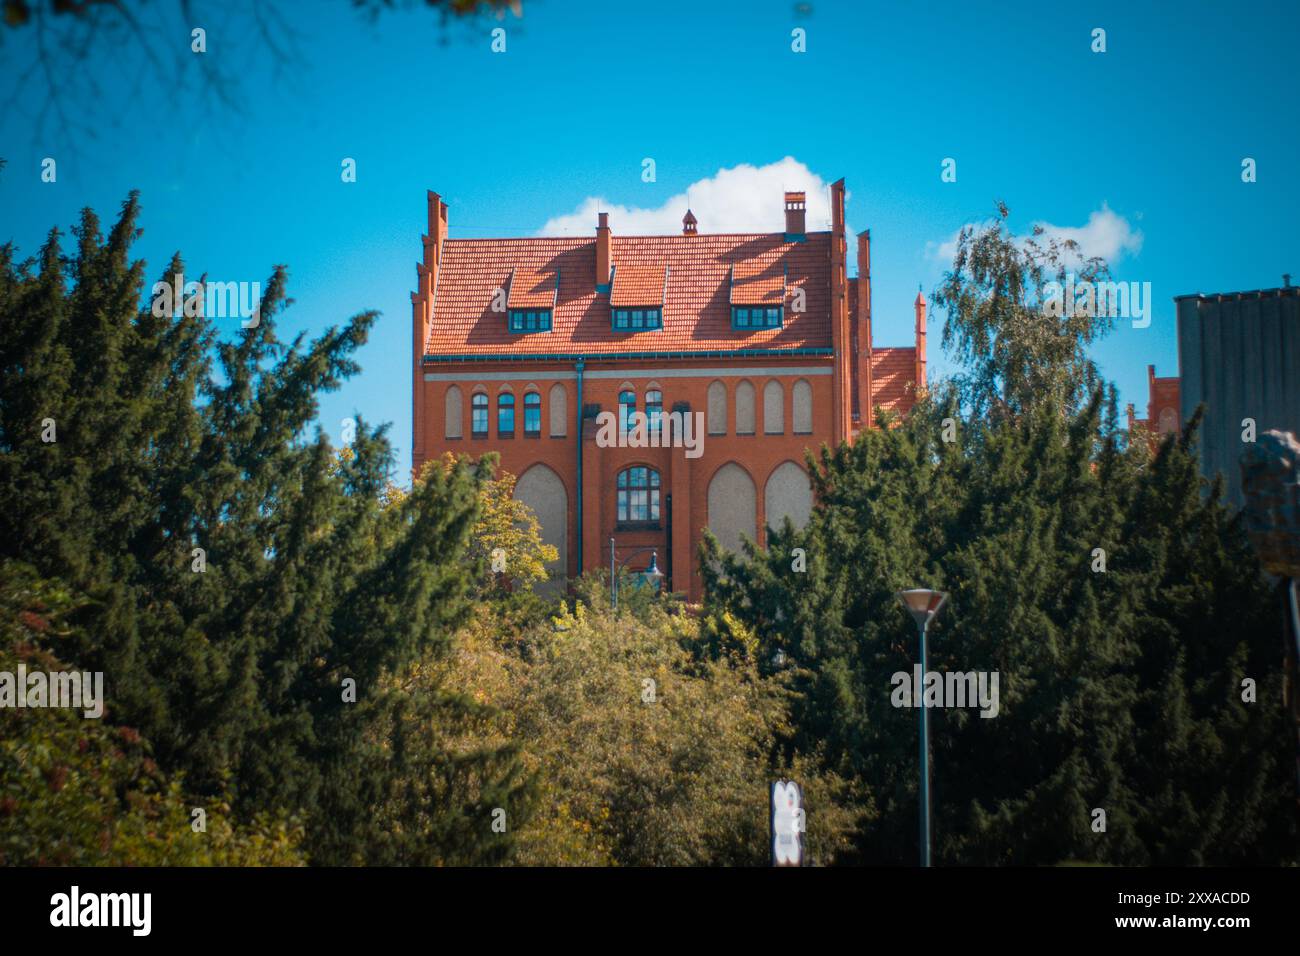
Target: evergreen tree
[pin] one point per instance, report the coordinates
(1112, 592)
(1119, 689)
(239, 573)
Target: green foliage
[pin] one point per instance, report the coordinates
(1017, 353)
(506, 533)
(631, 773)
(1119, 690)
(171, 438)
(82, 792)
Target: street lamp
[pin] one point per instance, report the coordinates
(923, 604)
(651, 575)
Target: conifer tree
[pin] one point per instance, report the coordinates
(1120, 689)
(248, 592)
(1111, 590)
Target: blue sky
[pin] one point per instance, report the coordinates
(1144, 141)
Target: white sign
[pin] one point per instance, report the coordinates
(787, 824)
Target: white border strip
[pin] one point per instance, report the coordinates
(564, 375)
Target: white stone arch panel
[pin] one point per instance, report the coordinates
(744, 408)
(542, 490)
(732, 505)
(773, 408)
(802, 411)
(717, 405)
(788, 494)
(453, 413)
(559, 410)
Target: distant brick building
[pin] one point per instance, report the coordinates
(520, 345)
(1164, 409)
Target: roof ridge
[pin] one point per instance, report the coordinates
(616, 237)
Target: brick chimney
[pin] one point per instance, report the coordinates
(437, 229)
(688, 223)
(604, 263)
(796, 207)
(920, 342)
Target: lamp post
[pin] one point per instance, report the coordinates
(651, 574)
(923, 604)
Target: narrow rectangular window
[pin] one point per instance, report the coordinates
(479, 418)
(533, 414)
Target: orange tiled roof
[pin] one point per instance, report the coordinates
(532, 289)
(697, 313)
(893, 372)
(639, 284)
(758, 282)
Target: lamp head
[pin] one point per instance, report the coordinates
(652, 574)
(922, 603)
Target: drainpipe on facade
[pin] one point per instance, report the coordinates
(668, 577)
(578, 366)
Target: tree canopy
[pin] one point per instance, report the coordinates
(246, 590)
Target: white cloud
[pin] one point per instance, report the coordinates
(1106, 235)
(742, 198)
(945, 251)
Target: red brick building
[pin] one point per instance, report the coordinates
(763, 339)
(1164, 414)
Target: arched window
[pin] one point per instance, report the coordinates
(773, 408)
(559, 411)
(717, 418)
(479, 407)
(654, 407)
(626, 406)
(744, 409)
(802, 402)
(532, 414)
(453, 413)
(1168, 421)
(505, 414)
(638, 495)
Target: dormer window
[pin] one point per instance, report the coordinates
(746, 317)
(758, 288)
(530, 320)
(532, 300)
(637, 296)
(632, 320)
